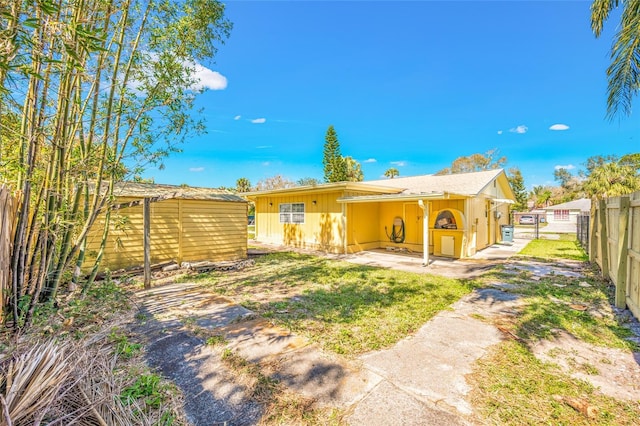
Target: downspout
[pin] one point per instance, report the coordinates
(425, 232)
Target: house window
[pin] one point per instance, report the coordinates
(561, 215)
(292, 213)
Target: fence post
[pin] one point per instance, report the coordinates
(146, 215)
(623, 254)
(593, 223)
(180, 231)
(604, 238)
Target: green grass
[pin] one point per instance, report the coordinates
(123, 346)
(555, 249)
(512, 387)
(147, 388)
(346, 308)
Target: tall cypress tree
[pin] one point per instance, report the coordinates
(335, 168)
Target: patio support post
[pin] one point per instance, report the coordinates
(425, 232)
(344, 229)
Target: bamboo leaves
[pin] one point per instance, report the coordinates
(93, 90)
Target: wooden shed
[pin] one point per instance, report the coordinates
(187, 224)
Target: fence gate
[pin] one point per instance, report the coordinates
(582, 230)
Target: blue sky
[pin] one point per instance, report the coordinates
(410, 85)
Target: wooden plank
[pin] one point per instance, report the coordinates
(593, 239)
(147, 242)
(623, 248)
(603, 239)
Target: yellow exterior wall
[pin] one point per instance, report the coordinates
(411, 214)
(181, 230)
(364, 227)
(363, 221)
(322, 229)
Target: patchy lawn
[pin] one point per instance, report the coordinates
(513, 386)
(346, 308)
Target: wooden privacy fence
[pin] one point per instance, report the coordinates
(7, 215)
(615, 246)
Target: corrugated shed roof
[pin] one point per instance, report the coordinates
(583, 204)
(142, 190)
(460, 183)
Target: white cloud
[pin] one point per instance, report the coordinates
(559, 126)
(237, 117)
(259, 120)
(399, 163)
(266, 163)
(499, 132)
(196, 169)
(263, 146)
(519, 129)
(370, 160)
(208, 79)
(568, 167)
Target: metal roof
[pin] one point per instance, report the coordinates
(143, 190)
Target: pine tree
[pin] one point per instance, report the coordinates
(517, 184)
(335, 168)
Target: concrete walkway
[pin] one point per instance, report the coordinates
(413, 262)
(419, 381)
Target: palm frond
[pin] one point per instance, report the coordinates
(624, 71)
(600, 10)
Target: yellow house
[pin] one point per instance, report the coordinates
(187, 224)
(464, 213)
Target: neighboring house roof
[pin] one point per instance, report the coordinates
(583, 204)
(460, 183)
(142, 190)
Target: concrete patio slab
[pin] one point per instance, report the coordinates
(258, 340)
(388, 405)
(327, 379)
(431, 364)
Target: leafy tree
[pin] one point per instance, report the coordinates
(517, 185)
(274, 182)
(354, 170)
(541, 195)
(335, 169)
(103, 89)
(392, 172)
(563, 176)
(243, 185)
(308, 181)
(596, 161)
(632, 160)
(612, 179)
(475, 163)
(624, 71)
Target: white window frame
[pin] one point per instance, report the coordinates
(287, 213)
(561, 215)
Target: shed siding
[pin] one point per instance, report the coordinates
(181, 230)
